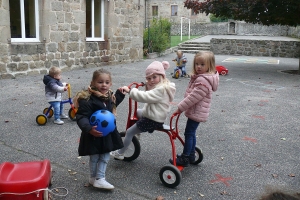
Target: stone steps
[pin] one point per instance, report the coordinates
(194, 47)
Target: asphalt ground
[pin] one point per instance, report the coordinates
(250, 141)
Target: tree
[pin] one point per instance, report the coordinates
(266, 12)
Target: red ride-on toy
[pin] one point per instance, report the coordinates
(222, 70)
(25, 181)
(48, 112)
(170, 175)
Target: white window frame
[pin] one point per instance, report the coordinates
(175, 13)
(37, 32)
(93, 38)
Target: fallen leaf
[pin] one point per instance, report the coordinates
(201, 195)
(174, 192)
(291, 175)
(283, 139)
(275, 175)
(257, 165)
(160, 198)
(79, 157)
(6, 121)
(189, 198)
(224, 193)
(69, 170)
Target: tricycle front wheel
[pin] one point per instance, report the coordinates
(72, 113)
(199, 156)
(170, 176)
(133, 150)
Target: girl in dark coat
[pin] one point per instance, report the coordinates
(92, 143)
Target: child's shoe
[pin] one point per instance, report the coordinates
(91, 180)
(117, 155)
(192, 157)
(103, 184)
(63, 116)
(182, 160)
(58, 121)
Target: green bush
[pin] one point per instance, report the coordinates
(157, 36)
(213, 18)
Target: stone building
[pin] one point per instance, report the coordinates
(38, 34)
(173, 10)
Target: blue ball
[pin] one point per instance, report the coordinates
(104, 120)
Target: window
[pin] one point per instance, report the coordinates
(24, 20)
(174, 10)
(94, 20)
(154, 10)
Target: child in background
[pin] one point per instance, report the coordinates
(98, 97)
(53, 92)
(157, 97)
(181, 61)
(196, 103)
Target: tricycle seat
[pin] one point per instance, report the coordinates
(24, 177)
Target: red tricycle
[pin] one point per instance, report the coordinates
(170, 175)
(25, 181)
(48, 112)
(222, 70)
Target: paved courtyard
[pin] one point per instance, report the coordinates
(250, 141)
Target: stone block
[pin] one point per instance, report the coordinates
(22, 67)
(3, 68)
(56, 6)
(7, 76)
(12, 67)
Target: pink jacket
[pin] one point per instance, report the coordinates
(197, 98)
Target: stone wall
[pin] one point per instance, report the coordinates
(267, 48)
(233, 27)
(63, 38)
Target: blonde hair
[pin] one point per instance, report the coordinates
(209, 59)
(54, 71)
(179, 52)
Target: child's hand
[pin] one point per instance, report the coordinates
(66, 88)
(177, 112)
(184, 61)
(124, 89)
(95, 133)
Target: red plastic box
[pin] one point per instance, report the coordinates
(25, 180)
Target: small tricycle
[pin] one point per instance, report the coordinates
(170, 175)
(48, 112)
(222, 70)
(178, 71)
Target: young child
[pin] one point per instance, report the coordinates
(98, 97)
(196, 103)
(181, 61)
(53, 92)
(157, 97)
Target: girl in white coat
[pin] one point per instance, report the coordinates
(157, 97)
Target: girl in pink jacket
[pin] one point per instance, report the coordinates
(196, 103)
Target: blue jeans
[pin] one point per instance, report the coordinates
(190, 137)
(58, 108)
(98, 164)
(183, 72)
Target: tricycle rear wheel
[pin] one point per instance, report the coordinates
(133, 150)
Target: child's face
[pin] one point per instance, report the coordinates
(200, 66)
(179, 55)
(102, 83)
(57, 76)
(153, 80)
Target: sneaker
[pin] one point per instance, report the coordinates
(63, 116)
(192, 158)
(91, 180)
(117, 155)
(103, 184)
(58, 121)
(182, 160)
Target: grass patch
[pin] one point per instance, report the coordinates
(176, 39)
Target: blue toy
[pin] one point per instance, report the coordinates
(104, 120)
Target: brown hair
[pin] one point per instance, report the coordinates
(209, 59)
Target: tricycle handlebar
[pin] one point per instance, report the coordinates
(136, 85)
